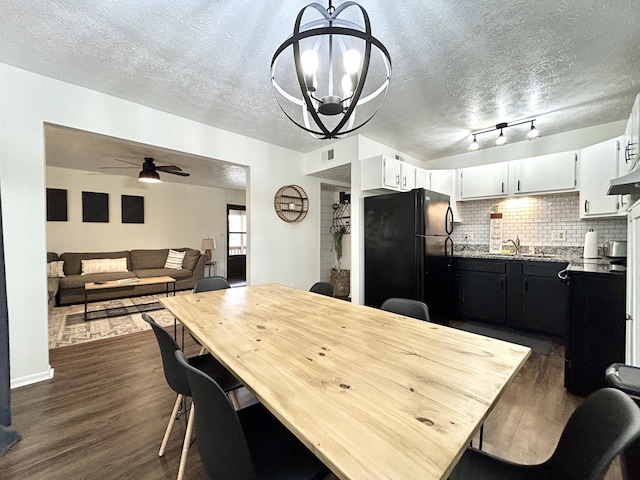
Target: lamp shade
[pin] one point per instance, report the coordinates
(208, 244)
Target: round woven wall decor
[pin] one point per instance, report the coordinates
(291, 203)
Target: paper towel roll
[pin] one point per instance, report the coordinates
(591, 245)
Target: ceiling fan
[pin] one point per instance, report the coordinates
(149, 172)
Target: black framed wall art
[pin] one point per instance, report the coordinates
(56, 205)
(95, 207)
(132, 209)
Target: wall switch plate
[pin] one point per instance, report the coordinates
(468, 236)
(559, 235)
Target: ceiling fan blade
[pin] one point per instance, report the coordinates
(168, 168)
(126, 161)
(119, 168)
(181, 174)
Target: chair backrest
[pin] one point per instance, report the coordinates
(323, 288)
(221, 442)
(173, 372)
(602, 427)
(407, 307)
(209, 284)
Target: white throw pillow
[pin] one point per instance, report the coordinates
(104, 265)
(174, 260)
(55, 269)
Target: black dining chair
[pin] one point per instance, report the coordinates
(603, 426)
(176, 378)
(323, 288)
(209, 284)
(407, 307)
(246, 444)
(627, 379)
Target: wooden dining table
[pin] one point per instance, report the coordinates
(373, 394)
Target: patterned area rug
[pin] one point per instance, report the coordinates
(67, 325)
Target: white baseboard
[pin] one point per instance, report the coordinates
(29, 379)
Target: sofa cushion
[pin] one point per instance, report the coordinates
(143, 259)
(161, 272)
(78, 281)
(55, 269)
(191, 258)
(104, 265)
(52, 257)
(174, 260)
(73, 261)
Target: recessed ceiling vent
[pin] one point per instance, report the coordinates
(328, 155)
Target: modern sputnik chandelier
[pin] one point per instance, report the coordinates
(331, 76)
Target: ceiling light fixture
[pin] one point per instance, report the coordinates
(502, 139)
(329, 70)
(148, 176)
(474, 145)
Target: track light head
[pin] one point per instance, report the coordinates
(533, 133)
(474, 145)
(501, 140)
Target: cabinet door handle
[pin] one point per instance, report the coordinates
(502, 187)
(586, 206)
(398, 180)
(501, 283)
(526, 285)
(518, 185)
(404, 182)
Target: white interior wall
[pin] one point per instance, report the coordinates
(278, 251)
(175, 215)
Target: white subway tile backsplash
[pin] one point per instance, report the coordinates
(534, 219)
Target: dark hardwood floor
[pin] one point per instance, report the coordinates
(103, 415)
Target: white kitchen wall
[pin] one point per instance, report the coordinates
(176, 215)
(535, 219)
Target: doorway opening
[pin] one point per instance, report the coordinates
(236, 244)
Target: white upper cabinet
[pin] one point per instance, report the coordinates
(387, 173)
(600, 163)
(547, 173)
(631, 146)
(442, 181)
(484, 181)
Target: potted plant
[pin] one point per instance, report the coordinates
(339, 277)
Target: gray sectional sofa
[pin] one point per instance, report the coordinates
(140, 263)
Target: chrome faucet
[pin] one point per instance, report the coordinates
(516, 243)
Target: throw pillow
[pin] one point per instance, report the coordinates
(55, 269)
(104, 265)
(174, 260)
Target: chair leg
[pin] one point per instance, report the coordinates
(172, 419)
(233, 397)
(202, 350)
(187, 442)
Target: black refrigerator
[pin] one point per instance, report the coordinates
(408, 251)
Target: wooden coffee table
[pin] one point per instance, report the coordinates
(111, 284)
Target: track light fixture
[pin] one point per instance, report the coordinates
(329, 70)
(502, 139)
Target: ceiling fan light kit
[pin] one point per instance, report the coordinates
(502, 139)
(331, 76)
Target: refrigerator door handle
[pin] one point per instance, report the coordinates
(448, 251)
(449, 221)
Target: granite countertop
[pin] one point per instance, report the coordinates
(561, 257)
(571, 256)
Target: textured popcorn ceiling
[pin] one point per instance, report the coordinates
(458, 65)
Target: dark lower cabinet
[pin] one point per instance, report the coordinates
(597, 325)
(482, 290)
(543, 298)
(519, 294)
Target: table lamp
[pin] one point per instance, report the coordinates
(208, 244)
